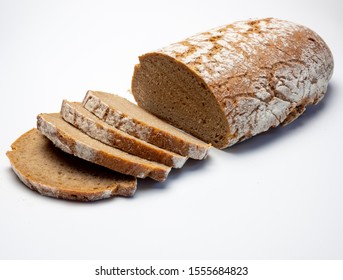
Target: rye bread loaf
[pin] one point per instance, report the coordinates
(51, 172)
(232, 82)
(73, 141)
(78, 116)
(128, 117)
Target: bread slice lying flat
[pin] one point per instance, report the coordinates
(130, 118)
(73, 141)
(51, 172)
(78, 116)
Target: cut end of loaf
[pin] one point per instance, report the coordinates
(166, 88)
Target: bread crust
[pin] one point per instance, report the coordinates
(262, 73)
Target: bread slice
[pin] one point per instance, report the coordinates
(78, 116)
(130, 118)
(73, 141)
(51, 172)
(230, 83)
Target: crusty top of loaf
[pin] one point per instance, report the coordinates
(221, 52)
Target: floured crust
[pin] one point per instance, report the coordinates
(69, 139)
(51, 172)
(88, 123)
(262, 73)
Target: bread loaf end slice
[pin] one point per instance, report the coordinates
(128, 117)
(51, 172)
(78, 116)
(73, 141)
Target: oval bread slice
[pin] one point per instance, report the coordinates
(51, 172)
(128, 117)
(71, 140)
(78, 116)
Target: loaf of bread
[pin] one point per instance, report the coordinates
(232, 82)
(51, 172)
(222, 86)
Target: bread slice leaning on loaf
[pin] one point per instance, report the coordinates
(128, 117)
(51, 172)
(73, 141)
(235, 81)
(78, 116)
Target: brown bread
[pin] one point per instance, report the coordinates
(73, 141)
(130, 118)
(51, 172)
(78, 116)
(232, 82)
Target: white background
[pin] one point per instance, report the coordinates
(276, 196)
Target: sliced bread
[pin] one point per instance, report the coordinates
(73, 141)
(230, 83)
(51, 172)
(78, 116)
(128, 117)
